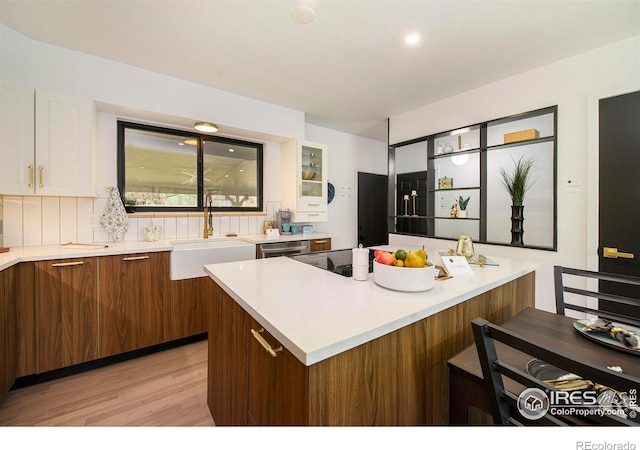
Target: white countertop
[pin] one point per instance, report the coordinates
(317, 314)
(48, 252)
(261, 238)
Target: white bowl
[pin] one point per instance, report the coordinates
(407, 279)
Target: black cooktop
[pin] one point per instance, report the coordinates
(337, 261)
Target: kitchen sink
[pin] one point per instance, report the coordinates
(189, 256)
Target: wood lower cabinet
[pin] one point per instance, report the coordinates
(187, 314)
(227, 368)
(8, 337)
(133, 296)
(320, 245)
(66, 312)
(400, 378)
(277, 383)
(26, 318)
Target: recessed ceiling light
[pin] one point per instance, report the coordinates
(206, 127)
(303, 15)
(189, 142)
(412, 39)
(231, 150)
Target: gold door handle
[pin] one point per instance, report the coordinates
(135, 258)
(67, 264)
(30, 167)
(614, 253)
(265, 344)
(41, 175)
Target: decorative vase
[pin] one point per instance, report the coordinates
(462, 213)
(517, 230)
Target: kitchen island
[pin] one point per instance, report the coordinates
(290, 343)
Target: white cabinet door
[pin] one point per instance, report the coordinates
(304, 175)
(17, 169)
(64, 148)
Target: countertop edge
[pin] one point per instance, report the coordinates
(314, 356)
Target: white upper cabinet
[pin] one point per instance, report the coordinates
(47, 149)
(304, 172)
(17, 170)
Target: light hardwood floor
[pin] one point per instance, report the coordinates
(168, 388)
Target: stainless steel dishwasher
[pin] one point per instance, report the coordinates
(273, 249)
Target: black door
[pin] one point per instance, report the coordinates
(411, 210)
(372, 209)
(619, 187)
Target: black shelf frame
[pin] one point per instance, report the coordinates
(484, 150)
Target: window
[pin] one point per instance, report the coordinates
(161, 169)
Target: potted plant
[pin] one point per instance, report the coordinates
(517, 182)
(462, 207)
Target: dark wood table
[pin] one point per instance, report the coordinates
(465, 375)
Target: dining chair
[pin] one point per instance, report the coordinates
(518, 398)
(564, 302)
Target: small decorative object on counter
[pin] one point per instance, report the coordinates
(153, 232)
(445, 183)
(465, 247)
(115, 220)
(454, 210)
(406, 205)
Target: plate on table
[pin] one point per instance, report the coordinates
(543, 371)
(605, 339)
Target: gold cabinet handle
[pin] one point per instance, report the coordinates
(67, 264)
(41, 175)
(135, 258)
(265, 344)
(609, 252)
(324, 241)
(314, 204)
(30, 167)
(313, 214)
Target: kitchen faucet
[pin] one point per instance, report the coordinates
(208, 218)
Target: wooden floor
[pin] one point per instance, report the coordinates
(168, 388)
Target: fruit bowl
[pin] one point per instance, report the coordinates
(407, 279)
(308, 175)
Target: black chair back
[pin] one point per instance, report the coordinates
(518, 398)
(564, 302)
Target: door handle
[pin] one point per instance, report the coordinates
(256, 334)
(609, 252)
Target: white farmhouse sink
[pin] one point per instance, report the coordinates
(189, 256)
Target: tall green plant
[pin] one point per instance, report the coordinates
(518, 181)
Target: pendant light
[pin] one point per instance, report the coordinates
(205, 127)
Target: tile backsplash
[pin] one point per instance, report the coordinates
(27, 221)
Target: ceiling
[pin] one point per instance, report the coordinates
(349, 69)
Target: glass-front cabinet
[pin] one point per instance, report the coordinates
(462, 172)
(304, 171)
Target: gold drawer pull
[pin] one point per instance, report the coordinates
(41, 172)
(313, 214)
(324, 241)
(30, 167)
(66, 264)
(265, 344)
(314, 204)
(135, 258)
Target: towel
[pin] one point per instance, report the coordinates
(115, 220)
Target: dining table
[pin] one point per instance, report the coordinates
(466, 384)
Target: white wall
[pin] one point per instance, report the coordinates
(571, 84)
(122, 90)
(348, 155)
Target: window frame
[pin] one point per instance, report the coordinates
(123, 125)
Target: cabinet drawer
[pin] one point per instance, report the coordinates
(311, 216)
(312, 205)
